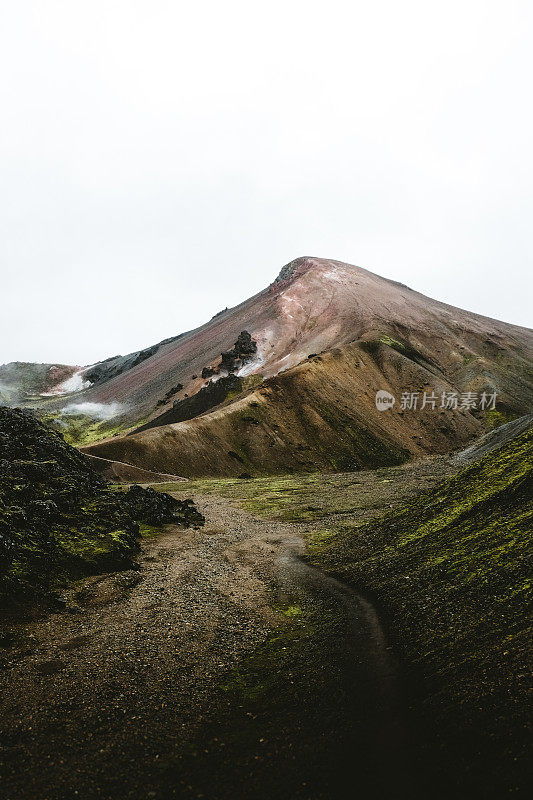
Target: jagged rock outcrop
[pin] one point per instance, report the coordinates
(287, 271)
(158, 508)
(215, 392)
(233, 360)
(245, 347)
(105, 370)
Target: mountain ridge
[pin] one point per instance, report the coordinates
(338, 333)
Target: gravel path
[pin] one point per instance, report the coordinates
(96, 697)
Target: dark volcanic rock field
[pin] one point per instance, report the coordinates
(59, 518)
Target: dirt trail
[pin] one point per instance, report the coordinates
(100, 700)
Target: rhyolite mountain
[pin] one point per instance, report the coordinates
(286, 381)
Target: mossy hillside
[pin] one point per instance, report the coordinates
(81, 429)
(57, 530)
(97, 530)
(78, 544)
(58, 517)
(448, 570)
(494, 418)
(451, 573)
(495, 491)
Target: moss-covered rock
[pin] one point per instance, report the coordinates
(58, 517)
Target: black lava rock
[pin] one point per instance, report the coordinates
(245, 347)
(58, 516)
(158, 508)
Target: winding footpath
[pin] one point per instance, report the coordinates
(100, 700)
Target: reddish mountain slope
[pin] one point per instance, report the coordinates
(320, 413)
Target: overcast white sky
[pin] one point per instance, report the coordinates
(162, 160)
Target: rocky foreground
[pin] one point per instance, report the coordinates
(59, 518)
(226, 666)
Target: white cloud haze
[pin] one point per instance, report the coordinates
(162, 160)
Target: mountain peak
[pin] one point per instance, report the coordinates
(299, 266)
(288, 271)
(302, 264)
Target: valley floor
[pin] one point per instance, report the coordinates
(226, 667)
(229, 667)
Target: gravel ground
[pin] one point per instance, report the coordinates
(95, 695)
(100, 698)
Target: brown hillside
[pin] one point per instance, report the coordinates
(319, 413)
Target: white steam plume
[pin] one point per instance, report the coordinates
(95, 410)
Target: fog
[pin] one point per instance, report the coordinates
(160, 161)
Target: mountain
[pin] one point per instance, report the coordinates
(20, 381)
(299, 365)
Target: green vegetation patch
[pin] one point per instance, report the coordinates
(315, 497)
(81, 429)
(77, 538)
(494, 418)
(286, 497)
(450, 571)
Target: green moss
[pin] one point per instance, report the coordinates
(148, 531)
(394, 343)
(317, 540)
(494, 418)
(374, 347)
(310, 497)
(449, 572)
(80, 429)
(286, 497)
(291, 611)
